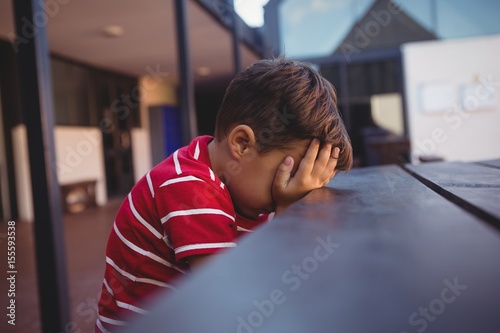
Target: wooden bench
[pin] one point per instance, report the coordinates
(78, 196)
(382, 249)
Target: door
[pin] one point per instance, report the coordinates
(115, 124)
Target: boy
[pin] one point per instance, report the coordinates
(278, 135)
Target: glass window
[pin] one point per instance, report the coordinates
(317, 28)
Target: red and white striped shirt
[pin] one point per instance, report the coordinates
(178, 209)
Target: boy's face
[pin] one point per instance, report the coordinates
(251, 187)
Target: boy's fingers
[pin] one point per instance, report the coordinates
(322, 161)
(284, 172)
(335, 153)
(330, 169)
(334, 158)
(307, 163)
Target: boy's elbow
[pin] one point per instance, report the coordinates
(198, 261)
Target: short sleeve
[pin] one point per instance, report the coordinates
(197, 216)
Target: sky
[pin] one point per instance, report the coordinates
(251, 11)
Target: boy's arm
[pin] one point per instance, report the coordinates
(315, 170)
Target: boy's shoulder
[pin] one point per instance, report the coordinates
(188, 164)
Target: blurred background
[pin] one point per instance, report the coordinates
(417, 81)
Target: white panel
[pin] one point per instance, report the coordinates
(80, 157)
(466, 130)
(478, 96)
(436, 97)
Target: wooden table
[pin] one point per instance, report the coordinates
(381, 249)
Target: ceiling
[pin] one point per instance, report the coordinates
(75, 31)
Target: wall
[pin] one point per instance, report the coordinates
(155, 91)
(79, 151)
(23, 178)
(79, 156)
(453, 98)
(4, 177)
(387, 112)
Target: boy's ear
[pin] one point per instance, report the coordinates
(241, 141)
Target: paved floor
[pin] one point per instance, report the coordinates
(86, 234)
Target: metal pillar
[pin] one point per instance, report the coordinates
(235, 40)
(271, 34)
(36, 99)
(344, 84)
(402, 91)
(186, 100)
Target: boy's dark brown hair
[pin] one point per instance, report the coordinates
(284, 100)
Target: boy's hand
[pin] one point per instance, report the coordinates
(315, 171)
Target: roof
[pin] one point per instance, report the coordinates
(384, 25)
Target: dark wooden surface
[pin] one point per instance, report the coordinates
(396, 247)
(491, 163)
(474, 187)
